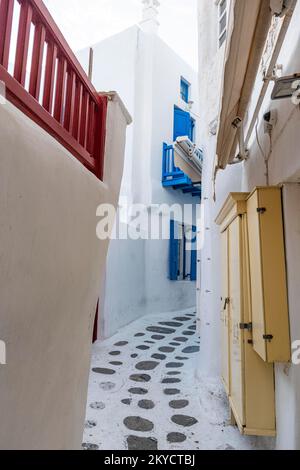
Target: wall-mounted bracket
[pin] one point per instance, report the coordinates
(246, 326)
(243, 152)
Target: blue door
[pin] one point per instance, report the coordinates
(183, 124)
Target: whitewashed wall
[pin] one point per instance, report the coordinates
(147, 74)
(284, 167)
(52, 265)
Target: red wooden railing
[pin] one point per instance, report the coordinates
(58, 96)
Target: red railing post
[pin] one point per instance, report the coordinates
(70, 101)
(6, 19)
(84, 119)
(60, 89)
(100, 134)
(91, 128)
(23, 42)
(77, 110)
(49, 76)
(37, 61)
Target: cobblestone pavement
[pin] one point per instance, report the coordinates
(144, 393)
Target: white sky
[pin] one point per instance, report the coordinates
(86, 22)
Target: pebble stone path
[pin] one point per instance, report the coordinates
(144, 395)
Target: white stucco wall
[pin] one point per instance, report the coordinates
(52, 265)
(147, 73)
(284, 167)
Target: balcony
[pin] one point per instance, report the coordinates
(182, 166)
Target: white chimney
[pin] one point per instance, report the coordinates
(150, 22)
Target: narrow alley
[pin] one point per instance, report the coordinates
(144, 394)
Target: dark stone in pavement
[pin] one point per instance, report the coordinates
(178, 404)
(191, 349)
(141, 443)
(174, 365)
(181, 339)
(136, 423)
(121, 343)
(166, 349)
(174, 324)
(100, 370)
(171, 391)
(170, 381)
(88, 446)
(160, 357)
(146, 365)
(176, 437)
(158, 329)
(146, 404)
(138, 391)
(140, 377)
(183, 420)
(127, 401)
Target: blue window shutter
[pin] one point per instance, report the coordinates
(184, 90)
(192, 130)
(182, 123)
(194, 256)
(173, 254)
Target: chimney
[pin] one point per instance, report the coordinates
(150, 22)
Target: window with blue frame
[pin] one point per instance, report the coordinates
(184, 124)
(184, 90)
(183, 252)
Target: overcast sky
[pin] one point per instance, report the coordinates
(86, 22)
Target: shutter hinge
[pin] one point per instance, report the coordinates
(261, 210)
(268, 337)
(246, 326)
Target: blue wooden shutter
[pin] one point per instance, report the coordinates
(173, 253)
(194, 256)
(182, 123)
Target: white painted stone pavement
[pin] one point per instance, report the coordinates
(108, 419)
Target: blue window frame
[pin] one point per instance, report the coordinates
(184, 90)
(182, 252)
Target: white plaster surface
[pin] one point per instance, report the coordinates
(105, 428)
(146, 72)
(51, 269)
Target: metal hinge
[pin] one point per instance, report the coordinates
(246, 326)
(261, 210)
(268, 337)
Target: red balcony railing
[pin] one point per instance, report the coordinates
(44, 79)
